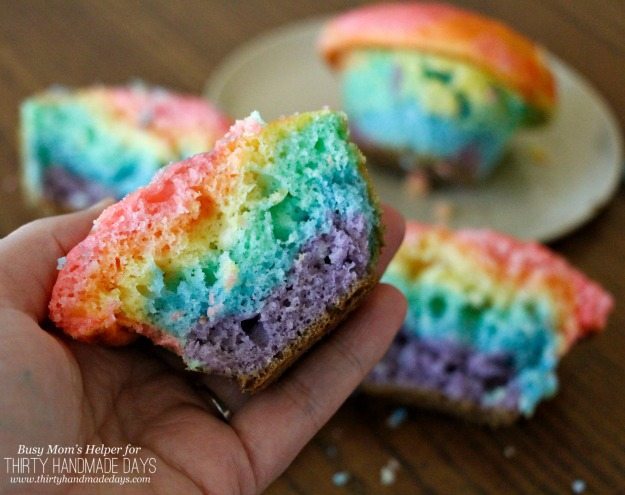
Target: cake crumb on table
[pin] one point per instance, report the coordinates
(509, 451)
(341, 478)
(396, 418)
(578, 486)
(387, 476)
(388, 473)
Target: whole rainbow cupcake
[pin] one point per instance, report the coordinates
(489, 318)
(436, 87)
(79, 146)
(239, 259)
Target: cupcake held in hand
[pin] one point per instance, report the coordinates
(238, 260)
(436, 87)
(489, 318)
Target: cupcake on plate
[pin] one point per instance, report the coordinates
(238, 260)
(436, 87)
(79, 146)
(489, 318)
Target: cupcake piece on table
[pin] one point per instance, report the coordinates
(238, 260)
(437, 87)
(489, 319)
(79, 146)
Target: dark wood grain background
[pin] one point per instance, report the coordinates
(580, 435)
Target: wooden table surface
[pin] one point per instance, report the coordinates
(579, 435)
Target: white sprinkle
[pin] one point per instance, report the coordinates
(388, 473)
(387, 476)
(578, 486)
(397, 417)
(255, 115)
(214, 309)
(60, 263)
(231, 279)
(509, 451)
(341, 478)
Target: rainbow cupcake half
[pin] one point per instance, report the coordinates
(489, 319)
(435, 87)
(79, 146)
(237, 260)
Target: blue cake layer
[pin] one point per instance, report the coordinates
(76, 137)
(79, 143)
(428, 107)
(325, 272)
(521, 329)
(316, 174)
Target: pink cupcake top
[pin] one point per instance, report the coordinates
(582, 304)
(445, 30)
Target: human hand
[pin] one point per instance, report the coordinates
(59, 391)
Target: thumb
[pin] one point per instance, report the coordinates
(28, 257)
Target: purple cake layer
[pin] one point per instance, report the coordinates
(69, 190)
(324, 271)
(453, 369)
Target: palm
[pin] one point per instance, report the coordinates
(62, 392)
(126, 396)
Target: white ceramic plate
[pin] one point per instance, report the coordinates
(560, 176)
